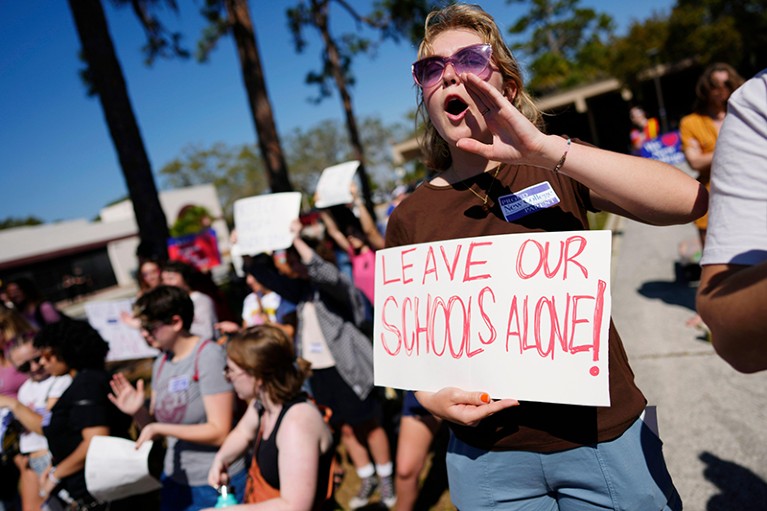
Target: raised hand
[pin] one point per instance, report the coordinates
(515, 139)
(127, 398)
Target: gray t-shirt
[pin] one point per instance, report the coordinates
(179, 387)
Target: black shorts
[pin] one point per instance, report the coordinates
(329, 389)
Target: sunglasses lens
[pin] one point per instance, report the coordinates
(473, 59)
(428, 71)
(25, 367)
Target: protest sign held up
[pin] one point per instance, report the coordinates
(522, 316)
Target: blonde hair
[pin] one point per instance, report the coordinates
(474, 18)
(266, 352)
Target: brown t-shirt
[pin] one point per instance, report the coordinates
(436, 213)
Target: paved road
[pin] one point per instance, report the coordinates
(713, 420)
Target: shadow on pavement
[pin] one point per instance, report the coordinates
(671, 292)
(739, 488)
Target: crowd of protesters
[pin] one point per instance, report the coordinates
(265, 402)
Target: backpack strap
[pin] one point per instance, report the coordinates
(196, 374)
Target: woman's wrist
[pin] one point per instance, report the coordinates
(52, 475)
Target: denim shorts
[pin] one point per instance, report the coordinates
(627, 473)
(40, 463)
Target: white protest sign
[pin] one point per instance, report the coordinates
(263, 222)
(115, 469)
(125, 341)
(523, 316)
(334, 185)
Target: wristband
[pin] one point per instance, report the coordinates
(561, 161)
(52, 476)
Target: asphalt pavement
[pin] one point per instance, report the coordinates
(712, 419)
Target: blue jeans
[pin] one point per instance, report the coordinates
(176, 496)
(627, 473)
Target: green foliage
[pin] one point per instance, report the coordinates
(11, 222)
(637, 51)
(565, 45)
(191, 220)
(326, 144)
(388, 19)
(236, 172)
(160, 42)
(732, 31)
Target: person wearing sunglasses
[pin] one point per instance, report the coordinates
(191, 403)
(32, 408)
(483, 136)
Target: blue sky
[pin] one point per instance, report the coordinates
(57, 161)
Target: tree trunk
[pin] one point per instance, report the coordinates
(261, 108)
(334, 58)
(110, 85)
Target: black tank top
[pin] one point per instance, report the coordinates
(267, 453)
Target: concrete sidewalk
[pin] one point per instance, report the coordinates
(713, 420)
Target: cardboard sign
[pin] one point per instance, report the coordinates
(523, 316)
(666, 148)
(334, 185)
(200, 249)
(263, 222)
(125, 341)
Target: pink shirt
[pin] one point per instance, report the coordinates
(11, 380)
(364, 272)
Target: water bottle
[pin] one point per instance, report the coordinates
(226, 497)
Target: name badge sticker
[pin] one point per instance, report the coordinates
(524, 202)
(178, 384)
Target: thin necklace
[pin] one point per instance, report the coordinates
(485, 207)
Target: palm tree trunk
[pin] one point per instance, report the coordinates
(321, 20)
(110, 85)
(255, 85)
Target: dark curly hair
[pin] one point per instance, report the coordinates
(266, 352)
(74, 342)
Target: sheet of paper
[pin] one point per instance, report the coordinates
(125, 341)
(334, 185)
(263, 222)
(115, 469)
(523, 316)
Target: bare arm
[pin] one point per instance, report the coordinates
(302, 437)
(333, 230)
(649, 190)
(731, 301)
(235, 444)
(219, 409)
(73, 463)
(375, 239)
(28, 418)
(697, 159)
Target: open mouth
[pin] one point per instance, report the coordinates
(455, 106)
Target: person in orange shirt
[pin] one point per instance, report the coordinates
(700, 129)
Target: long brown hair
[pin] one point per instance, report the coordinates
(266, 352)
(705, 84)
(474, 18)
